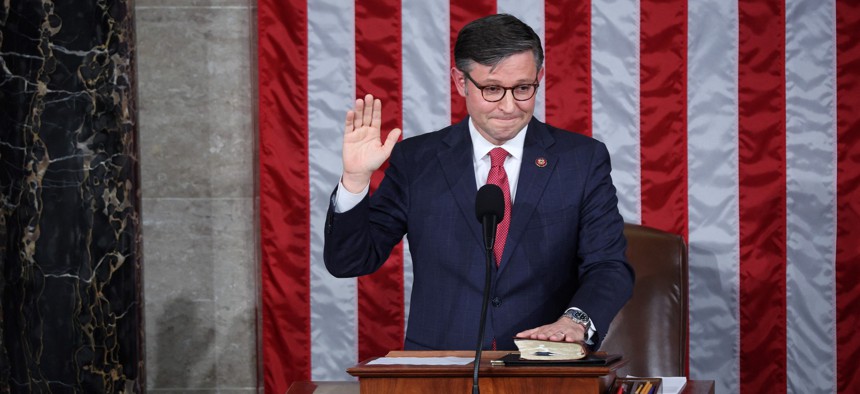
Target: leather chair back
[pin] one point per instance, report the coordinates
(651, 330)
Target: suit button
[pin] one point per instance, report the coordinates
(497, 301)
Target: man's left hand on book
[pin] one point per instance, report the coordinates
(563, 329)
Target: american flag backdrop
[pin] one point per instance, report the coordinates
(733, 123)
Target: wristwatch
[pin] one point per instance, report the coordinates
(579, 317)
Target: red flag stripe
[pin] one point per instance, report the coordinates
(378, 71)
(284, 193)
(463, 12)
(847, 196)
(663, 114)
(762, 205)
(568, 65)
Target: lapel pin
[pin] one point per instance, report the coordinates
(540, 162)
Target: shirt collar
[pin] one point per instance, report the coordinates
(482, 147)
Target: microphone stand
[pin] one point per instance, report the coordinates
(489, 228)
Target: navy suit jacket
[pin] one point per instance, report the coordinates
(565, 246)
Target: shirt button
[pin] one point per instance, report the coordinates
(497, 301)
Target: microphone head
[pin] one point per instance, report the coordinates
(490, 202)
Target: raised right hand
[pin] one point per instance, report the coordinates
(363, 149)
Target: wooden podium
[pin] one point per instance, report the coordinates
(493, 379)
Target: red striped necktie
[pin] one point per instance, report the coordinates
(499, 177)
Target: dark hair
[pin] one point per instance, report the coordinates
(491, 39)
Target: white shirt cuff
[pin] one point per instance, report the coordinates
(344, 200)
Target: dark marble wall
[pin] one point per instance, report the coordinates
(70, 258)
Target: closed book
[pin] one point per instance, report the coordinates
(538, 349)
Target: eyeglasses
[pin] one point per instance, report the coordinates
(494, 93)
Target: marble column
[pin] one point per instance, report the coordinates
(70, 255)
(197, 144)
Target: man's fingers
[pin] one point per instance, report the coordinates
(552, 332)
(350, 118)
(376, 115)
(526, 333)
(391, 140)
(367, 112)
(358, 113)
(367, 116)
(555, 335)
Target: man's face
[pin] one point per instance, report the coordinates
(501, 120)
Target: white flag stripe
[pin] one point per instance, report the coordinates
(712, 150)
(615, 96)
(426, 66)
(532, 13)
(811, 195)
(331, 91)
(426, 84)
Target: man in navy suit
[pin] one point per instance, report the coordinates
(561, 275)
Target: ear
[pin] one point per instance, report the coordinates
(540, 75)
(459, 80)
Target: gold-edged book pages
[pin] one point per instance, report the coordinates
(538, 349)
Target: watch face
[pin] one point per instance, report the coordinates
(577, 316)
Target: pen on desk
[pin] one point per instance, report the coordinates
(648, 387)
(620, 389)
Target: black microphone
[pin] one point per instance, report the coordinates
(490, 210)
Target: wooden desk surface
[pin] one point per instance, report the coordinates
(692, 387)
(353, 387)
(362, 370)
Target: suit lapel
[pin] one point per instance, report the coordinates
(456, 163)
(535, 171)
